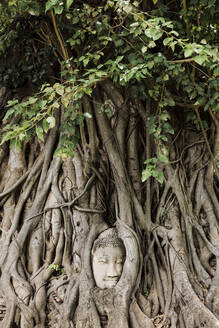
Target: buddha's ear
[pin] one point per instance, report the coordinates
(93, 249)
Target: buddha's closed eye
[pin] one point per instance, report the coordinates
(102, 261)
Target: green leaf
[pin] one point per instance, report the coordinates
(87, 115)
(5, 138)
(216, 71)
(164, 116)
(152, 160)
(12, 102)
(52, 122)
(66, 99)
(32, 100)
(69, 3)
(35, 10)
(17, 143)
(144, 49)
(92, 78)
(101, 73)
(86, 61)
(172, 45)
(81, 58)
(58, 9)
(200, 101)
(22, 136)
(160, 177)
(154, 33)
(12, 143)
(203, 41)
(50, 4)
(60, 90)
(145, 175)
(118, 42)
(55, 105)
(171, 102)
(216, 108)
(39, 132)
(167, 40)
(168, 128)
(150, 64)
(152, 44)
(88, 91)
(164, 138)
(118, 59)
(200, 59)
(174, 32)
(42, 104)
(188, 52)
(9, 112)
(166, 77)
(45, 125)
(132, 58)
(163, 158)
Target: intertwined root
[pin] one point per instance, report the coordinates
(53, 209)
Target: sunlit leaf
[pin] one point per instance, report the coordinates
(52, 122)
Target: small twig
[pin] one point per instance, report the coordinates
(99, 177)
(179, 159)
(179, 61)
(89, 210)
(120, 24)
(82, 193)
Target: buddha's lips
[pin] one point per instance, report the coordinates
(111, 282)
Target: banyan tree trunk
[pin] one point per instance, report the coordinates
(52, 210)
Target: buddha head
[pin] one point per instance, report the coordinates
(108, 256)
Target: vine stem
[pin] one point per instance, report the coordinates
(65, 54)
(179, 61)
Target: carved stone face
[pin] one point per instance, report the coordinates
(108, 257)
(107, 266)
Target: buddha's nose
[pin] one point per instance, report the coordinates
(112, 270)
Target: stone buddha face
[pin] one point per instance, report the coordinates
(108, 256)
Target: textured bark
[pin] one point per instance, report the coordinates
(53, 209)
